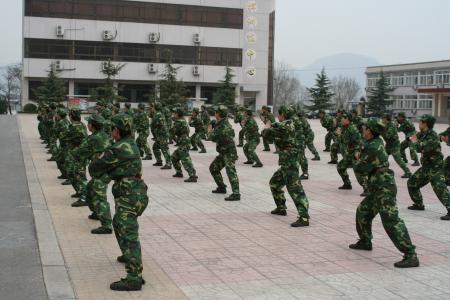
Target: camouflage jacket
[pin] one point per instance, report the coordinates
(223, 135)
(120, 160)
(299, 133)
(407, 127)
(374, 162)
(284, 136)
(198, 124)
(390, 136)
(61, 128)
(429, 144)
(446, 134)
(358, 122)
(180, 131)
(268, 117)
(327, 123)
(141, 122)
(168, 116)
(205, 118)
(74, 135)
(307, 128)
(238, 117)
(251, 129)
(350, 140)
(159, 126)
(93, 146)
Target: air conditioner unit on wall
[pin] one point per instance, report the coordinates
(104, 65)
(59, 31)
(108, 35)
(196, 39)
(196, 71)
(152, 68)
(58, 65)
(154, 37)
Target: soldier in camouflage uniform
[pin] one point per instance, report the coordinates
(267, 118)
(351, 142)
(300, 142)
(50, 125)
(40, 116)
(107, 115)
(390, 136)
(206, 120)
(252, 138)
(284, 136)
(180, 156)
(61, 126)
(196, 138)
(427, 142)
(309, 136)
(161, 134)
(373, 162)
(357, 120)
(222, 133)
(445, 137)
(336, 147)
(167, 113)
(90, 150)
(407, 127)
(239, 116)
(327, 122)
(142, 126)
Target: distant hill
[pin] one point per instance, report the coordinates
(346, 64)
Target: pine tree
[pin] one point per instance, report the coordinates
(321, 93)
(171, 91)
(226, 95)
(53, 90)
(378, 97)
(108, 93)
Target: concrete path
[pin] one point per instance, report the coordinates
(21, 275)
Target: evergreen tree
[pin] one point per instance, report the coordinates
(53, 90)
(108, 93)
(378, 97)
(321, 93)
(226, 95)
(171, 91)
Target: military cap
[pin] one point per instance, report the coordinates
(62, 112)
(346, 115)
(123, 122)
(141, 106)
(249, 112)
(106, 113)
(221, 110)
(75, 112)
(375, 125)
(195, 110)
(96, 120)
(286, 111)
(429, 119)
(242, 108)
(128, 105)
(117, 105)
(52, 105)
(387, 116)
(179, 111)
(402, 115)
(265, 107)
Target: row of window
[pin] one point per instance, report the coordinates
(128, 52)
(413, 79)
(137, 12)
(412, 102)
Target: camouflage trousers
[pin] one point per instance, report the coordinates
(227, 161)
(41, 130)
(447, 170)
(241, 137)
(130, 196)
(76, 172)
(267, 140)
(343, 165)
(181, 157)
(196, 141)
(161, 146)
(250, 150)
(302, 160)
(395, 152)
(289, 176)
(425, 175)
(335, 150)
(309, 141)
(382, 200)
(142, 144)
(328, 139)
(60, 159)
(412, 151)
(97, 200)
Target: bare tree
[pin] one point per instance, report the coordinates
(286, 86)
(345, 89)
(10, 84)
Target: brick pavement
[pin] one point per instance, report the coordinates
(198, 246)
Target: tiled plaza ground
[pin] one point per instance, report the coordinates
(197, 246)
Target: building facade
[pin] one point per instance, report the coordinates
(419, 88)
(204, 36)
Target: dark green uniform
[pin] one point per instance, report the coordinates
(390, 136)
(252, 140)
(407, 127)
(300, 143)
(161, 134)
(181, 155)
(62, 125)
(206, 119)
(267, 118)
(309, 137)
(447, 160)
(327, 122)
(238, 118)
(142, 126)
(196, 138)
(336, 147)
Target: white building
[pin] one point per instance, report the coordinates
(204, 36)
(419, 88)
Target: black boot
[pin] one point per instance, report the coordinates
(301, 222)
(233, 197)
(79, 203)
(203, 151)
(177, 175)
(101, 230)
(360, 245)
(346, 186)
(220, 190)
(191, 179)
(304, 177)
(126, 285)
(258, 165)
(76, 195)
(248, 162)
(279, 212)
(416, 207)
(316, 158)
(416, 164)
(408, 261)
(93, 216)
(158, 164)
(333, 162)
(446, 217)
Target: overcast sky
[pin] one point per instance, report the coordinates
(391, 31)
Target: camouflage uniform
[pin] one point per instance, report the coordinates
(91, 149)
(169, 122)
(161, 134)
(196, 138)
(122, 163)
(390, 136)
(407, 127)
(351, 142)
(252, 138)
(336, 147)
(180, 131)
(300, 142)
(309, 137)
(61, 127)
(285, 138)
(428, 143)
(327, 122)
(206, 120)
(447, 160)
(382, 196)
(267, 117)
(142, 126)
(238, 118)
(223, 135)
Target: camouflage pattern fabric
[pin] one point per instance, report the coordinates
(407, 127)
(196, 138)
(300, 142)
(252, 138)
(122, 163)
(447, 160)
(223, 136)
(181, 154)
(382, 198)
(238, 118)
(309, 136)
(142, 126)
(390, 136)
(429, 146)
(62, 125)
(161, 134)
(266, 118)
(327, 123)
(206, 120)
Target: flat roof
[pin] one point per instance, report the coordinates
(412, 64)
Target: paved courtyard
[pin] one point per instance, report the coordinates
(197, 246)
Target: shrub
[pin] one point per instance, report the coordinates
(30, 108)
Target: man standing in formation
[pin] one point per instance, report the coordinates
(407, 127)
(267, 118)
(327, 122)
(196, 138)
(239, 116)
(160, 132)
(252, 139)
(142, 126)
